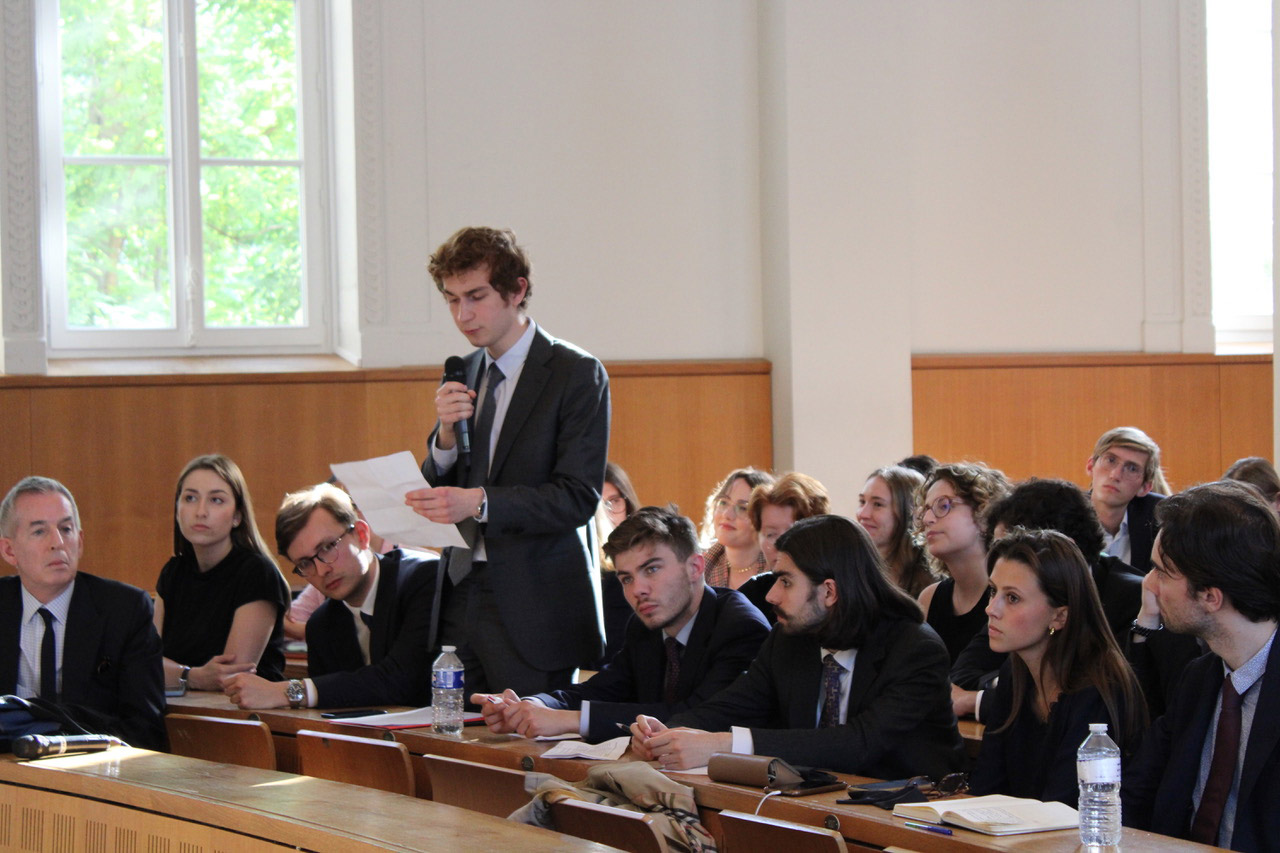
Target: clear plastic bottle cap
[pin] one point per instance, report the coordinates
(455, 648)
(1093, 727)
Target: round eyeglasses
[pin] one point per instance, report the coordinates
(326, 553)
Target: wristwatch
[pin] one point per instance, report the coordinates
(484, 504)
(1142, 631)
(296, 693)
(182, 679)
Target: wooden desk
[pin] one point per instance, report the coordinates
(134, 799)
(866, 825)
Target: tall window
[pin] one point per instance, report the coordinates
(185, 175)
(1238, 35)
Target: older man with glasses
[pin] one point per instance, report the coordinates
(370, 642)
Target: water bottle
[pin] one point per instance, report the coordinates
(1098, 774)
(446, 693)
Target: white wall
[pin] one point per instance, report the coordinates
(830, 184)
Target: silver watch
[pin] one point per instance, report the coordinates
(296, 693)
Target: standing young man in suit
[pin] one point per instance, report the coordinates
(1209, 769)
(685, 642)
(1123, 470)
(524, 607)
(369, 643)
(850, 679)
(68, 636)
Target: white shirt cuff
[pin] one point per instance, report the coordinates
(313, 698)
(743, 742)
(584, 719)
(444, 459)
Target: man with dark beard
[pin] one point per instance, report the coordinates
(850, 679)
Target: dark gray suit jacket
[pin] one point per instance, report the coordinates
(899, 720)
(727, 632)
(111, 660)
(399, 668)
(543, 487)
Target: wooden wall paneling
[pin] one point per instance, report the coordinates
(1041, 416)
(135, 440)
(400, 415)
(678, 435)
(1246, 412)
(15, 414)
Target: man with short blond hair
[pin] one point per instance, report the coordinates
(1123, 471)
(370, 642)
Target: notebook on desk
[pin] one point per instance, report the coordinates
(995, 814)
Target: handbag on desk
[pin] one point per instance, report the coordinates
(769, 774)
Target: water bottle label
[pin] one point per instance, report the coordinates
(1096, 770)
(447, 679)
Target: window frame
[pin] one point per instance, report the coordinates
(190, 336)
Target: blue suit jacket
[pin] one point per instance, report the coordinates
(399, 669)
(111, 658)
(1157, 792)
(543, 486)
(727, 633)
(899, 720)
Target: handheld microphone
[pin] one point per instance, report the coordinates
(455, 370)
(47, 746)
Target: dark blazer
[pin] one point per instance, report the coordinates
(399, 671)
(1157, 791)
(899, 720)
(111, 658)
(727, 633)
(543, 487)
(1142, 530)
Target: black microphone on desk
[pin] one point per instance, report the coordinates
(47, 746)
(455, 370)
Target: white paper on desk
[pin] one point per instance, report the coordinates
(692, 771)
(610, 750)
(378, 487)
(566, 736)
(399, 720)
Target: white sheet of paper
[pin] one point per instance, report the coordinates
(414, 718)
(378, 487)
(610, 750)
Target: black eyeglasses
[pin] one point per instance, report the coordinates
(326, 553)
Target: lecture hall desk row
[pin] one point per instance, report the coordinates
(133, 800)
(861, 825)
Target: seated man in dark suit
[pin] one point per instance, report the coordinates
(82, 641)
(1048, 505)
(850, 679)
(370, 642)
(1209, 769)
(1123, 472)
(685, 642)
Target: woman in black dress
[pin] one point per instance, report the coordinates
(1064, 671)
(221, 598)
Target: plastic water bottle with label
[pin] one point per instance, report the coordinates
(1098, 774)
(446, 693)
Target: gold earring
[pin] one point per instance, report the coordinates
(1051, 630)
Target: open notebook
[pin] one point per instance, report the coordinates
(995, 814)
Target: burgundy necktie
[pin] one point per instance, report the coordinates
(673, 671)
(1222, 769)
(831, 671)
